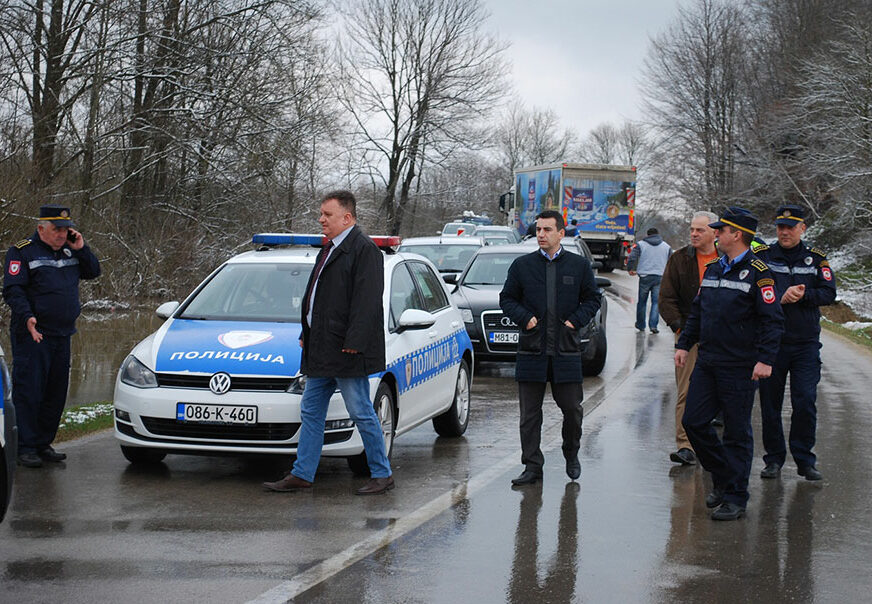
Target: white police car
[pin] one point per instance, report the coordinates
(8, 437)
(222, 374)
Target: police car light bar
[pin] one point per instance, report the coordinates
(382, 241)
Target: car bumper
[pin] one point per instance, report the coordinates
(146, 417)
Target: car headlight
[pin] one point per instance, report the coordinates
(466, 314)
(134, 373)
(298, 384)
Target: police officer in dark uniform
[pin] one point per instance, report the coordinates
(737, 321)
(805, 282)
(41, 286)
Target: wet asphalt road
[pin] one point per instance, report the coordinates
(633, 529)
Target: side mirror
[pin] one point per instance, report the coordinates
(603, 282)
(165, 310)
(413, 318)
(450, 278)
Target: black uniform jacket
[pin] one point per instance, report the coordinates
(524, 297)
(736, 316)
(43, 283)
(347, 312)
(801, 266)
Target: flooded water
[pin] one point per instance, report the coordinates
(103, 341)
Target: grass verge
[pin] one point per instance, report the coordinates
(860, 336)
(84, 419)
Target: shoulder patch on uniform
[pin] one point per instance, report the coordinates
(761, 248)
(23, 243)
(765, 282)
(824, 263)
(759, 264)
(711, 261)
(819, 252)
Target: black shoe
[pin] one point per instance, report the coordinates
(527, 477)
(810, 473)
(29, 460)
(772, 470)
(49, 454)
(655, 330)
(573, 467)
(683, 456)
(714, 499)
(728, 511)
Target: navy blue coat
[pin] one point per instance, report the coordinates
(43, 283)
(524, 297)
(801, 266)
(736, 316)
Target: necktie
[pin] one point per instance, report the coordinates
(324, 253)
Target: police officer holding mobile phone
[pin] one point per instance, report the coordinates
(41, 286)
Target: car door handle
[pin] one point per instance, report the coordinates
(432, 334)
(455, 324)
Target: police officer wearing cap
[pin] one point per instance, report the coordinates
(41, 286)
(805, 282)
(737, 322)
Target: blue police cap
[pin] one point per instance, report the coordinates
(789, 215)
(57, 215)
(738, 218)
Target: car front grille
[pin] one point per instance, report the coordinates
(495, 320)
(183, 380)
(171, 427)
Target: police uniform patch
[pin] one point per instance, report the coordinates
(759, 264)
(761, 248)
(68, 252)
(808, 260)
(765, 282)
(819, 252)
(743, 274)
(827, 273)
(14, 267)
(23, 243)
(824, 263)
(768, 294)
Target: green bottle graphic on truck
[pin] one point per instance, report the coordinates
(600, 198)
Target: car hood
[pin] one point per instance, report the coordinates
(478, 297)
(237, 347)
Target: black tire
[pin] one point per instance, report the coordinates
(607, 267)
(386, 410)
(598, 361)
(142, 455)
(454, 421)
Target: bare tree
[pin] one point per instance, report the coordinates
(601, 145)
(420, 76)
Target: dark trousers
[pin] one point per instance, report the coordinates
(568, 397)
(803, 362)
(729, 390)
(40, 376)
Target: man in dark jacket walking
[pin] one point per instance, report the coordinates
(681, 281)
(342, 344)
(551, 294)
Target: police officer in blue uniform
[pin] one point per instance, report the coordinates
(737, 321)
(804, 282)
(41, 286)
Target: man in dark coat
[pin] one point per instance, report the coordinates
(41, 286)
(343, 343)
(551, 294)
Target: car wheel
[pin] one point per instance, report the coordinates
(385, 406)
(142, 455)
(454, 421)
(607, 267)
(598, 361)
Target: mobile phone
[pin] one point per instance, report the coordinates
(71, 237)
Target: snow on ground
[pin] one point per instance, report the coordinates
(75, 417)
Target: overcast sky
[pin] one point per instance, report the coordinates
(581, 58)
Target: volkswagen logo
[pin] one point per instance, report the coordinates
(220, 383)
(507, 322)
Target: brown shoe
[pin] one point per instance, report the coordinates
(376, 486)
(287, 484)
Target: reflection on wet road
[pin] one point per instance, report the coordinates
(633, 529)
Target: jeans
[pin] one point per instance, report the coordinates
(648, 284)
(313, 412)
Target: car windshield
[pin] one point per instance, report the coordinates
(447, 258)
(489, 269)
(252, 292)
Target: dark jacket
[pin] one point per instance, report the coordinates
(347, 312)
(43, 283)
(524, 296)
(736, 317)
(805, 266)
(678, 287)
